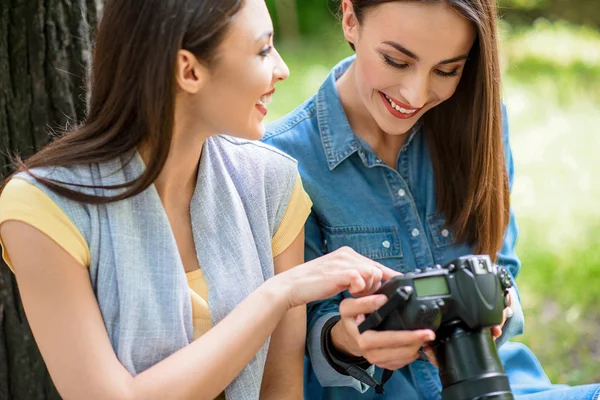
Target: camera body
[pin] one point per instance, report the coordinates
(460, 301)
(469, 289)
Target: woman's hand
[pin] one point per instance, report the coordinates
(326, 276)
(387, 349)
(507, 313)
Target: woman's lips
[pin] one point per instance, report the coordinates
(261, 105)
(262, 109)
(405, 112)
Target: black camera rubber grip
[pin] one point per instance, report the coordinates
(398, 299)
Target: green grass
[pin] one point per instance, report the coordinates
(551, 85)
(552, 90)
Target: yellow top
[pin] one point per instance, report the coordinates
(22, 201)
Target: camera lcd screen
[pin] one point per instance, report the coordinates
(433, 286)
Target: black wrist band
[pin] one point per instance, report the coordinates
(347, 364)
(338, 359)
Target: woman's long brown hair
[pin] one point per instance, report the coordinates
(465, 136)
(132, 87)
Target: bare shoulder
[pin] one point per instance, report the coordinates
(63, 314)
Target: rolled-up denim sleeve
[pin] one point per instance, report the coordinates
(320, 312)
(507, 256)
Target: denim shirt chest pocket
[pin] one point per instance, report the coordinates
(381, 244)
(445, 248)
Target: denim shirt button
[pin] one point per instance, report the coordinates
(415, 232)
(386, 244)
(445, 233)
(401, 193)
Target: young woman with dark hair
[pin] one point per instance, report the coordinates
(153, 256)
(404, 151)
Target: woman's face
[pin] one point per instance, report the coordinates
(410, 57)
(237, 89)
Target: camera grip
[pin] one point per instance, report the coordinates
(396, 301)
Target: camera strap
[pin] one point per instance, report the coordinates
(349, 365)
(385, 376)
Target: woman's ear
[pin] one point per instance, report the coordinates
(190, 73)
(349, 22)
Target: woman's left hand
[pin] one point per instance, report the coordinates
(507, 313)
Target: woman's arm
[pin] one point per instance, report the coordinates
(284, 370)
(68, 327)
(65, 319)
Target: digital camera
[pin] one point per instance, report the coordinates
(460, 301)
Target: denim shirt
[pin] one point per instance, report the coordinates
(386, 214)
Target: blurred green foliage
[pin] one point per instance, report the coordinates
(313, 18)
(574, 11)
(551, 86)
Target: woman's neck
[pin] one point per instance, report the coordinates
(177, 180)
(386, 146)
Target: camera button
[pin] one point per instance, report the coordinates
(423, 310)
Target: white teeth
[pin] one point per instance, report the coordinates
(398, 108)
(265, 100)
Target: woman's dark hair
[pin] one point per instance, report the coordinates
(132, 86)
(465, 136)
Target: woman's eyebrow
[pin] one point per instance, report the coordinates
(412, 55)
(265, 35)
(402, 49)
(455, 59)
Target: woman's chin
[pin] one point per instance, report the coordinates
(258, 132)
(250, 133)
(397, 127)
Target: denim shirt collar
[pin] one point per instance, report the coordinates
(338, 139)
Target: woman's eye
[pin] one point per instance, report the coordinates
(265, 51)
(446, 74)
(388, 60)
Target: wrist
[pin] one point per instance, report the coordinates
(339, 340)
(277, 292)
(343, 362)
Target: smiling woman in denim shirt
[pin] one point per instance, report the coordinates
(404, 151)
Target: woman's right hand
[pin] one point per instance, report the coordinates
(386, 349)
(326, 276)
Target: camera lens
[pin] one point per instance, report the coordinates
(469, 365)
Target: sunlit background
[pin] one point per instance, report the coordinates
(551, 85)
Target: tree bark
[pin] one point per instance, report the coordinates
(45, 53)
(287, 14)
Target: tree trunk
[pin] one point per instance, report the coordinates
(45, 49)
(287, 14)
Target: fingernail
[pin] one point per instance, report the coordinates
(431, 337)
(381, 300)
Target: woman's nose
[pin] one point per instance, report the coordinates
(417, 91)
(281, 71)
